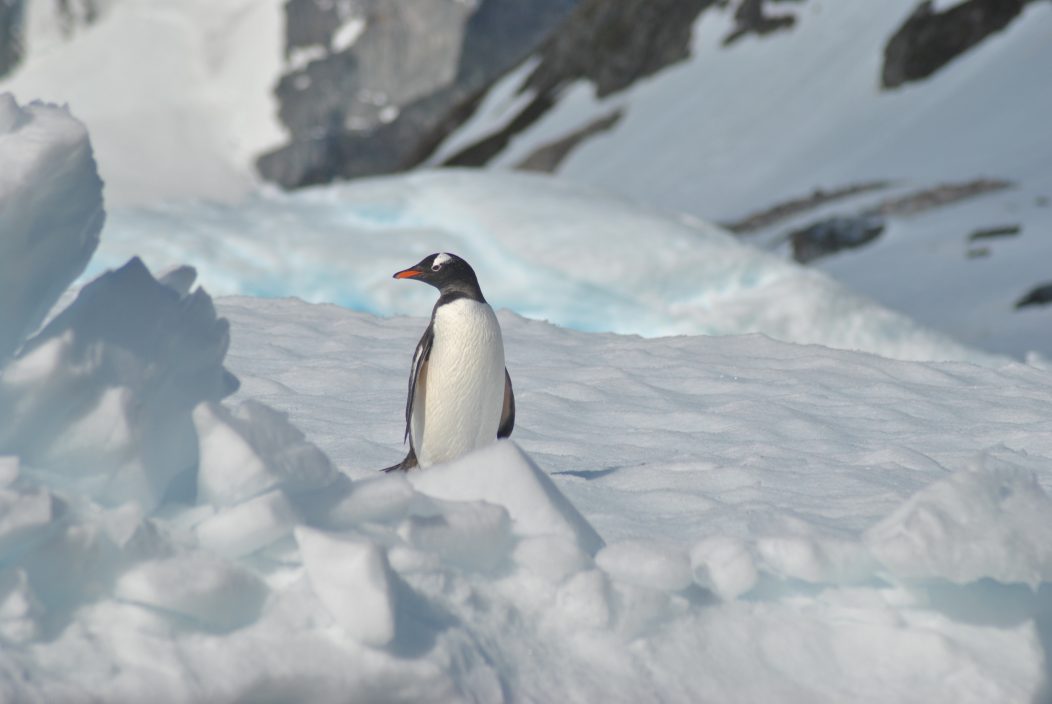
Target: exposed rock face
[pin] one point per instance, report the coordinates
(834, 234)
(374, 85)
(611, 44)
(1038, 296)
(11, 14)
(750, 17)
(929, 40)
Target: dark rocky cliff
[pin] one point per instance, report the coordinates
(414, 73)
(928, 40)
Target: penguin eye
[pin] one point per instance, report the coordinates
(436, 267)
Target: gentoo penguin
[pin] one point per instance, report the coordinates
(460, 395)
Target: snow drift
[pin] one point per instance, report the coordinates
(724, 519)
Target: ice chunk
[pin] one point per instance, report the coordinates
(8, 470)
(990, 520)
(212, 592)
(354, 582)
(50, 212)
(646, 564)
(551, 556)
(474, 535)
(384, 499)
(503, 474)
(23, 516)
(724, 566)
(242, 529)
(816, 557)
(252, 450)
(102, 397)
(20, 611)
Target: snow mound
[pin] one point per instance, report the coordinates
(503, 474)
(50, 212)
(988, 521)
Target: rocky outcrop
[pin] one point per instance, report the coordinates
(11, 43)
(751, 17)
(611, 45)
(374, 85)
(1037, 296)
(929, 40)
(547, 157)
(834, 234)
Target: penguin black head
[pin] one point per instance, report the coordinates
(450, 274)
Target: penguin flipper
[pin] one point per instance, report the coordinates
(507, 415)
(418, 375)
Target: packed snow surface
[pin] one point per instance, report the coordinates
(677, 519)
(544, 248)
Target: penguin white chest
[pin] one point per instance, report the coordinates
(463, 392)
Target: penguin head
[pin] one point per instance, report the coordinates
(446, 272)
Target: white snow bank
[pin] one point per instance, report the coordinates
(156, 544)
(983, 522)
(178, 97)
(50, 212)
(543, 248)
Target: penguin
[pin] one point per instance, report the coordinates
(460, 394)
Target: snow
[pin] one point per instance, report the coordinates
(735, 130)
(178, 97)
(691, 518)
(545, 248)
(43, 248)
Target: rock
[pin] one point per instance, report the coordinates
(1037, 296)
(834, 234)
(353, 111)
(929, 40)
(750, 18)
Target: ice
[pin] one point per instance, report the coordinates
(353, 579)
(253, 450)
(646, 564)
(473, 535)
(504, 475)
(212, 592)
(24, 516)
(385, 499)
(240, 530)
(47, 162)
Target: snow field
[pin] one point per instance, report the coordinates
(689, 518)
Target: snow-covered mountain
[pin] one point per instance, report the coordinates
(899, 146)
(190, 509)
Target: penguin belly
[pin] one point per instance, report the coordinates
(463, 392)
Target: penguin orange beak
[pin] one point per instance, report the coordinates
(408, 273)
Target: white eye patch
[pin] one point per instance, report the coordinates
(440, 260)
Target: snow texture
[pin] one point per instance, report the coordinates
(678, 519)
